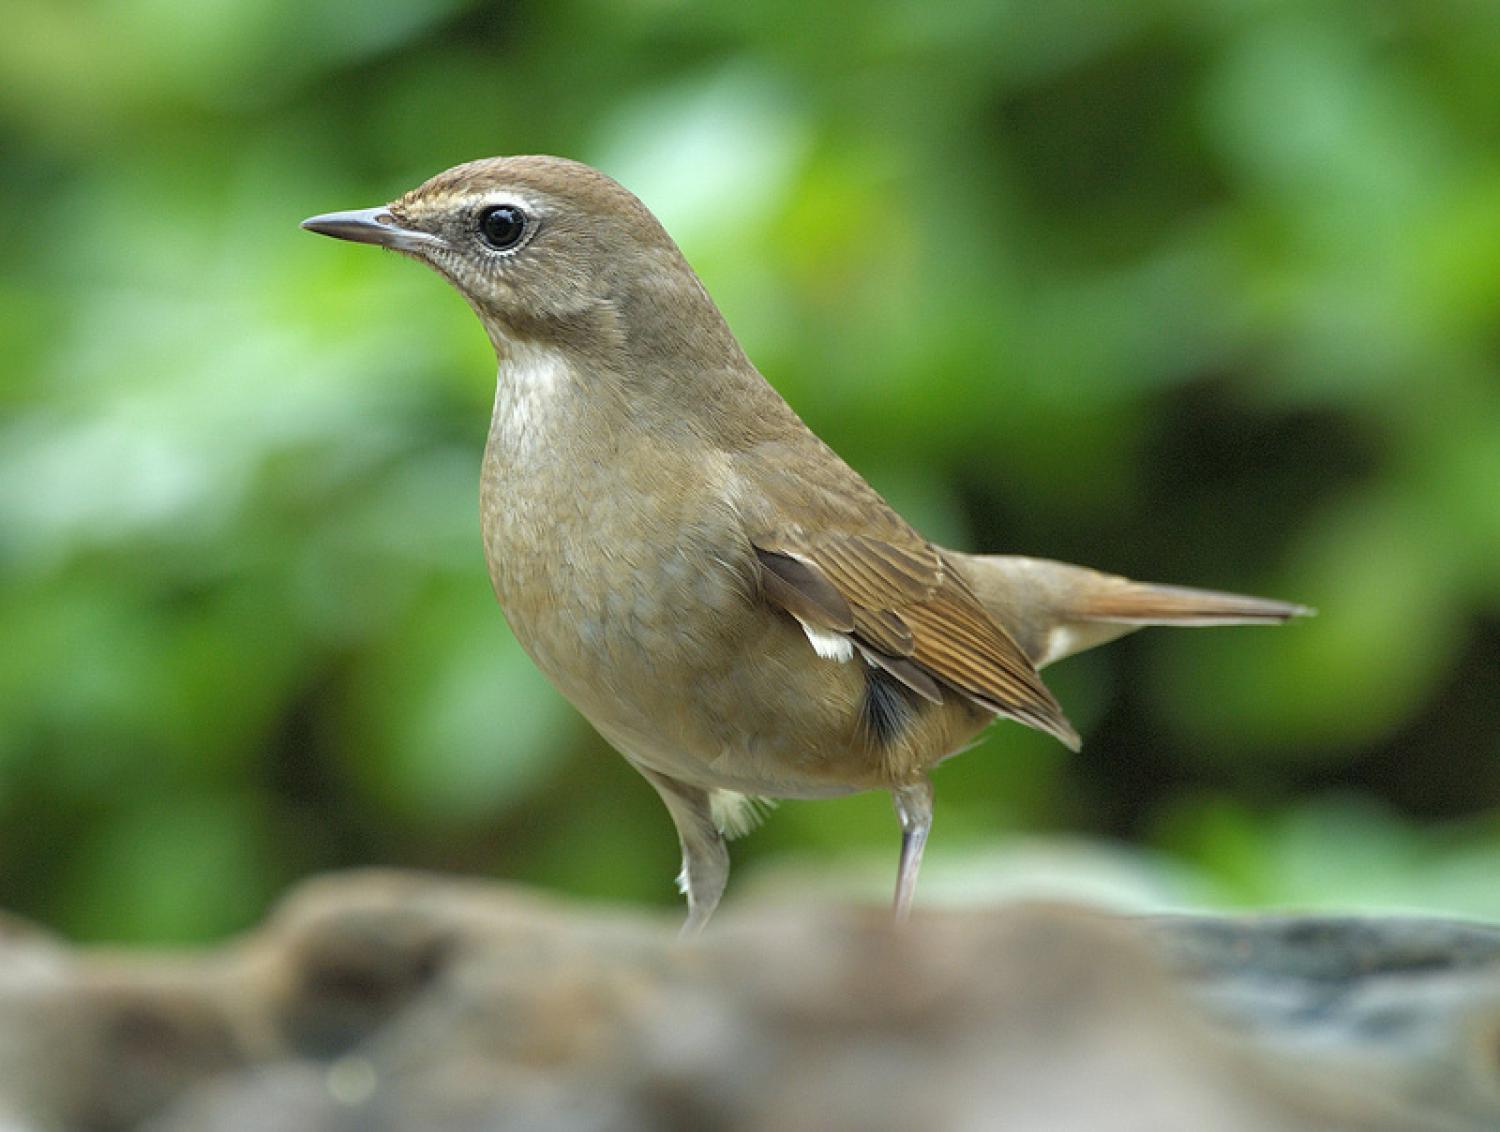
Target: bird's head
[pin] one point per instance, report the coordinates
(544, 249)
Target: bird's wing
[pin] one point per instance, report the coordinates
(900, 603)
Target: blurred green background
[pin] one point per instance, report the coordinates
(1204, 291)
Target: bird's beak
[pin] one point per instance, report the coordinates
(369, 226)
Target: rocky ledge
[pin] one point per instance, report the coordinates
(385, 1002)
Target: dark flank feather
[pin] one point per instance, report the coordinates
(887, 707)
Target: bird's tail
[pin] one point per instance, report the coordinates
(1054, 609)
(1150, 603)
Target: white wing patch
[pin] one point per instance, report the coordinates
(830, 646)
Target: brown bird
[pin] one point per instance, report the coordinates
(729, 603)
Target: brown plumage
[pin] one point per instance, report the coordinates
(903, 602)
(1053, 609)
(725, 599)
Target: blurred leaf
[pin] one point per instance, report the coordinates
(460, 725)
(180, 869)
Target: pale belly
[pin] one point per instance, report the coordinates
(629, 579)
(649, 619)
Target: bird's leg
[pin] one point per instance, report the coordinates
(705, 858)
(914, 809)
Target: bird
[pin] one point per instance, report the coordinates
(729, 604)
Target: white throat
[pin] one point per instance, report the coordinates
(531, 387)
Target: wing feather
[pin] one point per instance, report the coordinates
(910, 614)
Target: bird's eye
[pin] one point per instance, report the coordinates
(502, 226)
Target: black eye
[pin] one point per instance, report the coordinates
(502, 226)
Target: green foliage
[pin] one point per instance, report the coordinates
(1198, 290)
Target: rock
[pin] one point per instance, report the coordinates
(1408, 1008)
(385, 1002)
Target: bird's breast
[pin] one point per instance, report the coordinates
(618, 561)
(624, 569)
